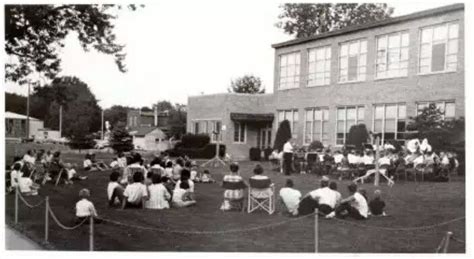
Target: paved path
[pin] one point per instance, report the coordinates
(14, 240)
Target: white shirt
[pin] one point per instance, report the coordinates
(87, 163)
(193, 175)
(326, 196)
(110, 189)
(159, 197)
(190, 183)
(353, 159)
(384, 161)
(29, 159)
(360, 204)
(15, 178)
(85, 208)
(418, 160)
(287, 148)
(338, 158)
(169, 172)
(291, 198)
(445, 160)
(135, 192)
(178, 195)
(70, 173)
(25, 184)
(368, 160)
(114, 163)
(122, 162)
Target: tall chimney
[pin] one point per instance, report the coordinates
(156, 115)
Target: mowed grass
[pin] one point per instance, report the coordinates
(409, 204)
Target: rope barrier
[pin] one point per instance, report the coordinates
(208, 232)
(458, 240)
(62, 225)
(441, 244)
(28, 204)
(400, 229)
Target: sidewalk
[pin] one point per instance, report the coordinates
(14, 240)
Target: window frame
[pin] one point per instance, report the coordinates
(359, 40)
(312, 121)
(443, 117)
(297, 70)
(239, 127)
(387, 35)
(357, 121)
(315, 49)
(293, 123)
(384, 119)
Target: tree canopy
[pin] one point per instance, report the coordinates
(246, 84)
(305, 19)
(121, 141)
(34, 36)
(116, 114)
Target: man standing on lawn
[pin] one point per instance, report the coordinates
(288, 157)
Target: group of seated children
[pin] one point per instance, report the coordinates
(92, 164)
(329, 201)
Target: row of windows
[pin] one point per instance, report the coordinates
(208, 127)
(438, 53)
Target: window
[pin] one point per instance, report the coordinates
(447, 107)
(392, 55)
(390, 120)
(439, 48)
(289, 70)
(346, 118)
(196, 127)
(239, 132)
(319, 66)
(292, 117)
(316, 125)
(208, 127)
(352, 61)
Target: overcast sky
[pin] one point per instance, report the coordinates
(181, 48)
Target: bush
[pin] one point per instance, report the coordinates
(283, 135)
(86, 142)
(121, 141)
(194, 140)
(358, 135)
(315, 145)
(206, 152)
(255, 154)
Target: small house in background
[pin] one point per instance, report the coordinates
(48, 134)
(149, 138)
(15, 126)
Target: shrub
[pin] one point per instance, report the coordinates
(121, 141)
(357, 136)
(85, 142)
(194, 140)
(315, 145)
(255, 154)
(283, 135)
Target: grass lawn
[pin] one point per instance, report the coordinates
(409, 204)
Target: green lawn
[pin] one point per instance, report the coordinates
(409, 205)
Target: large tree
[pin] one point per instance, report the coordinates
(283, 134)
(81, 113)
(15, 103)
(116, 114)
(246, 84)
(34, 36)
(304, 19)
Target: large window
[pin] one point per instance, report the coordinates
(292, 117)
(239, 132)
(289, 70)
(439, 48)
(316, 125)
(447, 107)
(346, 118)
(352, 61)
(208, 127)
(392, 55)
(319, 66)
(390, 120)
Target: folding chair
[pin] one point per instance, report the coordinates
(237, 203)
(420, 169)
(60, 174)
(265, 202)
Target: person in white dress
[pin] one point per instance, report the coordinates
(158, 195)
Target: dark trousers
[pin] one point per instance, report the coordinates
(118, 193)
(307, 206)
(81, 219)
(287, 163)
(129, 205)
(345, 209)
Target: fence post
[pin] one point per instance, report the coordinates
(16, 204)
(446, 244)
(91, 233)
(46, 220)
(316, 230)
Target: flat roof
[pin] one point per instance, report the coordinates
(389, 21)
(12, 115)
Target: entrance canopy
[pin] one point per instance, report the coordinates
(252, 117)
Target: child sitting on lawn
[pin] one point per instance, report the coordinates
(15, 175)
(290, 197)
(194, 172)
(182, 197)
(377, 205)
(158, 194)
(25, 184)
(185, 177)
(72, 174)
(85, 208)
(169, 169)
(136, 193)
(206, 177)
(114, 189)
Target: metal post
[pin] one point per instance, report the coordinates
(217, 151)
(60, 121)
(316, 230)
(28, 112)
(446, 243)
(16, 204)
(377, 155)
(46, 220)
(91, 233)
(102, 126)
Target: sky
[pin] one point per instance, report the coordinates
(177, 49)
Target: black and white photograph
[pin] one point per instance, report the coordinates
(256, 127)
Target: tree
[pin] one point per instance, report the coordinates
(34, 36)
(162, 106)
(116, 114)
(246, 84)
(282, 136)
(304, 20)
(15, 103)
(121, 141)
(176, 123)
(357, 136)
(441, 134)
(81, 113)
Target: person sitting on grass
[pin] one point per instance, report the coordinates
(114, 189)
(169, 170)
(85, 208)
(194, 172)
(185, 175)
(114, 163)
(15, 175)
(88, 165)
(182, 197)
(56, 168)
(158, 194)
(290, 197)
(25, 184)
(234, 186)
(206, 177)
(98, 163)
(354, 206)
(135, 164)
(72, 174)
(324, 199)
(136, 193)
(177, 168)
(260, 180)
(377, 205)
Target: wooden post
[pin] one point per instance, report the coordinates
(46, 220)
(60, 121)
(446, 243)
(377, 155)
(91, 233)
(316, 230)
(16, 204)
(28, 112)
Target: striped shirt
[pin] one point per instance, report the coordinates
(236, 193)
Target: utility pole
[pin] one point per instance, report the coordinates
(28, 112)
(60, 121)
(102, 125)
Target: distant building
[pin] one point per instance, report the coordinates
(137, 118)
(149, 138)
(15, 126)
